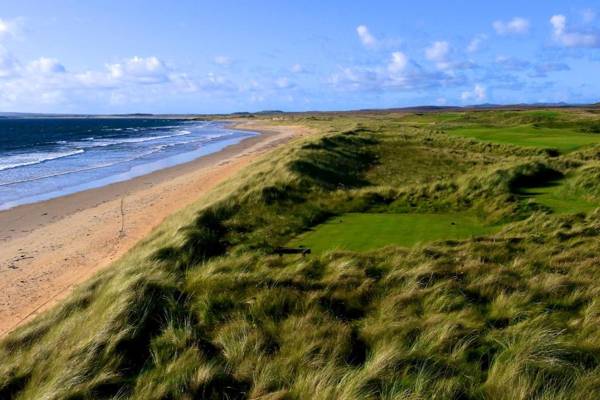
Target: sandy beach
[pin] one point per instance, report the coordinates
(48, 248)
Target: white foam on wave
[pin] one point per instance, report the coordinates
(21, 160)
(27, 159)
(90, 168)
(91, 142)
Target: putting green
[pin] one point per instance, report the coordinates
(365, 231)
(564, 140)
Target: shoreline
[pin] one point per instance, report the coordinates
(24, 218)
(50, 246)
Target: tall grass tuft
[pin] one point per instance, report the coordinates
(202, 308)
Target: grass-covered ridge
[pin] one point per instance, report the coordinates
(203, 309)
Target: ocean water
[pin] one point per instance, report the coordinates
(45, 158)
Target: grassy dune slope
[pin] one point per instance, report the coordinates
(203, 309)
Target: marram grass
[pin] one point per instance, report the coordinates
(203, 309)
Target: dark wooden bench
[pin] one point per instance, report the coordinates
(292, 250)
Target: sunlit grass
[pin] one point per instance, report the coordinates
(203, 308)
(564, 140)
(367, 231)
(559, 199)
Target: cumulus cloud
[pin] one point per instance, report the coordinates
(9, 27)
(47, 82)
(515, 26)
(569, 38)
(477, 94)
(396, 75)
(438, 51)
(217, 83)
(559, 24)
(398, 62)
(149, 70)
(44, 65)
(476, 43)
(9, 65)
(365, 37)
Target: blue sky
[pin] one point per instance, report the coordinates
(225, 56)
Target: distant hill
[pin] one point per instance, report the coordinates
(416, 109)
(42, 115)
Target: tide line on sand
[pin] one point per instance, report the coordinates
(51, 246)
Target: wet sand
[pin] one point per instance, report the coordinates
(49, 247)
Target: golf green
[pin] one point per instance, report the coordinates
(366, 231)
(564, 140)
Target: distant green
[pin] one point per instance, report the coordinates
(564, 140)
(367, 231)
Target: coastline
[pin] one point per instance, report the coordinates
(50, 246)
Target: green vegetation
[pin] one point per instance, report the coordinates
(563, 140)
(562, 131)
(559, 197)
(203, 308)
(367, 231)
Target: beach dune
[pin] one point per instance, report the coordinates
(50, 247)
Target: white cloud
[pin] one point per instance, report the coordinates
(516, 26)
(365, 36)
(4, 28)
(10, 27)
(9, 65)
(475, 43)
(438, 51)
(44, 65)
(569, 38)
(46, 83)
(217, 83)
(559, 23)
(222, 60)
(182, 82)
(148, 70)
(398, 62)
(397, 75)
(478, 94)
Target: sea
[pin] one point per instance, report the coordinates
(43, 158)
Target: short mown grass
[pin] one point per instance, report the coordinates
(564, 140)
(368, 231)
